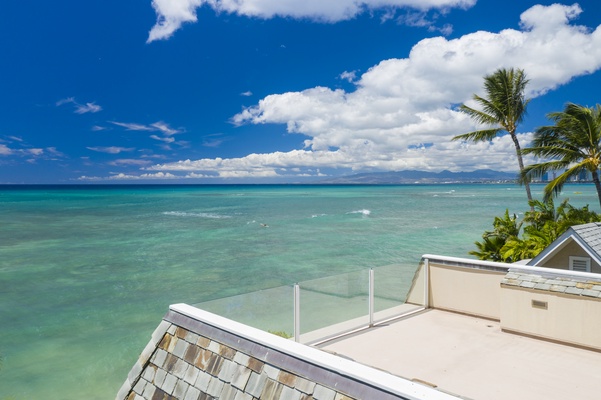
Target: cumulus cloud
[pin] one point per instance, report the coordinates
(402, 113)
(110, 149)
(128, 177)
(172, 14)
(402, 103)
(4, 150)
(246, 94)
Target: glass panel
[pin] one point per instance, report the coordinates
(417, 287)
(338, 303)
(271, 310)
(393, 284)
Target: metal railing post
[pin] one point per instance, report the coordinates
(371, 297)
(296, 312)
(426, 283)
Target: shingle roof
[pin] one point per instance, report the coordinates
(587, 235)
(590, 234)
(188, 358)
(553, 283)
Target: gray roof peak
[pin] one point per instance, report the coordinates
(590, 234)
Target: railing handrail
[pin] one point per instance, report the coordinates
(515, 267)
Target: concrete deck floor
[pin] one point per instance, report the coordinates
(473, 358)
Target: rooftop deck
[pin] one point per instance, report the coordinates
(454, 341)
(471, 357)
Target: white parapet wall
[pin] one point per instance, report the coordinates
(547, 303)
(465, 286)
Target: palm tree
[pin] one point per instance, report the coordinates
(573, 145)
(503, 108)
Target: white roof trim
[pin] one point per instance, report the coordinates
(360, 372)
(564, 243)
(517, 267)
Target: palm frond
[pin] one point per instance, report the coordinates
(555, 186)
(485, 135)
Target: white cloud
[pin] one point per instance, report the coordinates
(246, 94)
(129, 161)
(401, 103)
(165, 129)
(348, 76)
(172, 14)
(159, 126)
(111, 149)
(52, 151)
(128, 177)
(133, 126)
(166, 139)
(80, 108)
(19, 148)
(68, 100)
(87, 108)
(401, 115)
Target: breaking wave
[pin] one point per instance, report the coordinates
(364, 212)
(195, 215)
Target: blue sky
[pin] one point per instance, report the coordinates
(257, 91)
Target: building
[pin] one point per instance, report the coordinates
(578, 249)
(465, 329)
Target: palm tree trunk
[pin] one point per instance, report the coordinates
(597, 184)
(518, 151)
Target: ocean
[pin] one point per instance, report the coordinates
(87, 272)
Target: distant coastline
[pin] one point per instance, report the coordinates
(408, 177)
(425, 177)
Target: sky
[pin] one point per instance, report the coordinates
(274, 91)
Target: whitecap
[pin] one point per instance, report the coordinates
(364, 212)
(195, 215)
(318, 215)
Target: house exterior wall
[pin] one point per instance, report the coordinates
(561, 259)
(465, 290)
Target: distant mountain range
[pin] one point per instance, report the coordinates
(404, 177)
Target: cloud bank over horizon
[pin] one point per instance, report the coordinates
(402, 113)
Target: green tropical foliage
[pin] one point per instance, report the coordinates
(572, 145)
(504, 228)
(542, 225)
(503, 109)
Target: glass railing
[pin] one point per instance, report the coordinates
(316, 310)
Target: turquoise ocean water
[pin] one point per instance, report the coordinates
(87, 272)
